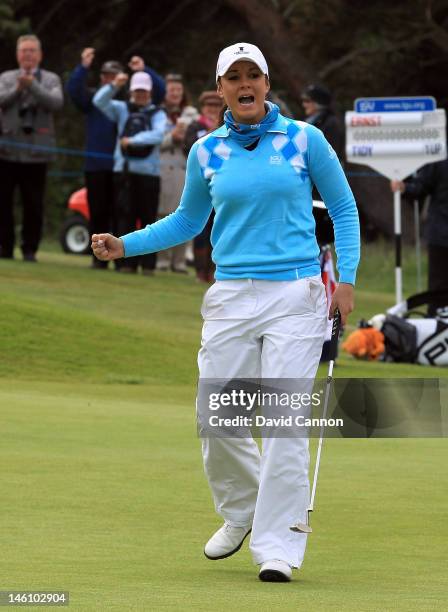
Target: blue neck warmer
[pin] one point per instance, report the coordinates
(246, 134)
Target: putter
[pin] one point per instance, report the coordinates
(305, 527)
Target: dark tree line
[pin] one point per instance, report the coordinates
(355, 47)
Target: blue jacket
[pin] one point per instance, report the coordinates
(264, 226)
(101, 131)
(118, 112)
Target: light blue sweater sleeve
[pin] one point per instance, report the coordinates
(103, 100)
(327, 174)
(180, 226)
(153, 136)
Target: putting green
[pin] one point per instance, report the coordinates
(103, 495)
(102, 488)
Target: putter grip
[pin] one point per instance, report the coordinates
(335, 335)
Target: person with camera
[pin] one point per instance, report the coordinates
(28, 98)
(140, 130)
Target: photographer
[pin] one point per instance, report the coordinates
(28, 98)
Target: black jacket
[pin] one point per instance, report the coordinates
(432, 180)
(327, 121)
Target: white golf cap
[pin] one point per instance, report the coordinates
(140, 80)
(237, 52)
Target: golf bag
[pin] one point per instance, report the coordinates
(417, 340)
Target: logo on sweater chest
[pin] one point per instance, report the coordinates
(275, 160)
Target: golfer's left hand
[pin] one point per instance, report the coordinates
(343, 299)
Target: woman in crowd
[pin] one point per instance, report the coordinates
(265, 316)
(140, 130)
(211, 106)
(180, 114)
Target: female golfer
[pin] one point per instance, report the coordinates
(265, 316)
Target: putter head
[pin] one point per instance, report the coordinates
(301, 528)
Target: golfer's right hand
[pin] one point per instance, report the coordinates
(107, 247)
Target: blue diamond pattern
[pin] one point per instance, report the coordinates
(212, 153)
(289, 150)
(211, 143)
(292, 130)
(215, 162)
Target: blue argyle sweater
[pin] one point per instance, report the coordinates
(263, 227)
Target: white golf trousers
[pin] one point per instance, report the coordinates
(262, 329)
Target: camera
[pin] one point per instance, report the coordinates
(27, 114)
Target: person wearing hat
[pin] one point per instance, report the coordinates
(265, 316)
(100, 138)
(317, 104)
(140, 131)
(210, 105)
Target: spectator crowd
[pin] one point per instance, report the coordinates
(139, 130)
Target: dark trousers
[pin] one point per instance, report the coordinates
(100, 193)
(202, 250)
(136, 198)
(30, 178)
(437, 274)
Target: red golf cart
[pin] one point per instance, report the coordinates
(75, 231)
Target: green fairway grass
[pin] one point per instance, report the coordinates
(102, 487)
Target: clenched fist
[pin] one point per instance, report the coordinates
(137, 63)
(87, 57)
(106, 247)
(121, 79)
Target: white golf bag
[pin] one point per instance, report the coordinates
(415, 340)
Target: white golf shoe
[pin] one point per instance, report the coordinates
(275, 571)
(226, 541)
